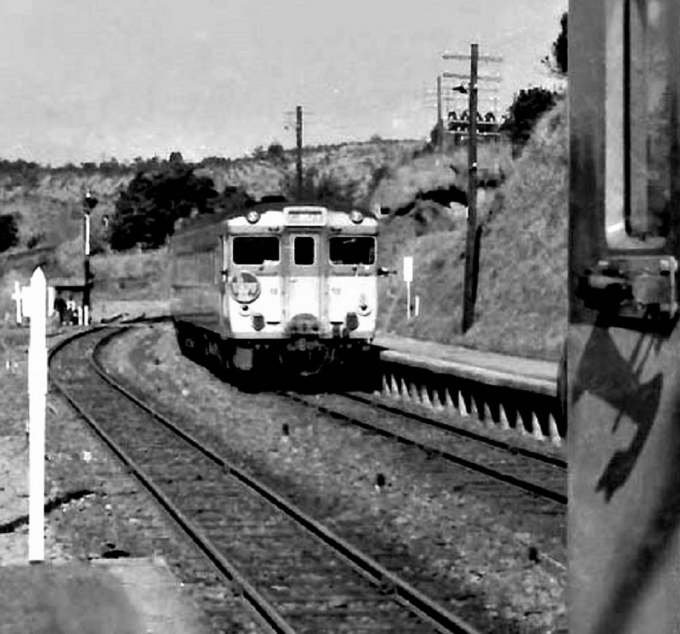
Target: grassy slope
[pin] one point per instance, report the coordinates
(521, 306)
(432, 171)
(50, 208)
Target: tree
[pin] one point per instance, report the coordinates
(321, 189)
(9, 232)
(232, 201)
(523, 113)
(154, 200)
(276, 153)
(560, 54)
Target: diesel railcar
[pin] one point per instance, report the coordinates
(290, 288)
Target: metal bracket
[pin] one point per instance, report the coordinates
(639, 287)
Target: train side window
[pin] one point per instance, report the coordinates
(304, 250)
(640, 155)
(352, 250)
(255, 249)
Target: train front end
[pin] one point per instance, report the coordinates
(301, 288)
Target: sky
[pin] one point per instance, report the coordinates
(88, 80)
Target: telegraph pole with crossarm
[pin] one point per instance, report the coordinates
(472, 240)
(298, 161)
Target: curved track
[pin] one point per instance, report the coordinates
(292, 571)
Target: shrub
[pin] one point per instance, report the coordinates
(9, 232)
(523, 113)
(154, 200)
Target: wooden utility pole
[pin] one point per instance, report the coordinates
(440, 120)
(473, 234)
(298, 134)
(471, 259)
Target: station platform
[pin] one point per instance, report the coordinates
(122, 596)
(490, 367)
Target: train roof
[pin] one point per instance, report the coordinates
(235, 219)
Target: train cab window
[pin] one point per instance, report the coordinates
(640, 117)
(255, 249)
(303, 248)
(352, 250)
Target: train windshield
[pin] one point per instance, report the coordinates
(304, 250)
(352, 250)
(255, 249)
(640, 116)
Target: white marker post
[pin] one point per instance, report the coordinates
(50, 302)
(408, 278)
(37, 395)
(17, 299)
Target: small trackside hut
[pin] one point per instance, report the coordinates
(281, 286)
(623, 352)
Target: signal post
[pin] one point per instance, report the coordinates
(89, 203)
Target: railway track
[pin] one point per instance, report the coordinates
(526, 487)
(293, 572)
(534, 472)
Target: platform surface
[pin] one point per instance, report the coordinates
(124, 596)
(519, 366)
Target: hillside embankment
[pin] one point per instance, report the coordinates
(522, 208)
(48, 205)
(522, 290)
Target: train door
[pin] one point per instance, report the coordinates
(623, 351)
(303, 280)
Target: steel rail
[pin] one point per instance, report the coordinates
(530, 487)
(459, 431)
(387, 582)
(255, 600)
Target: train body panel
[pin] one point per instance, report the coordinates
(196, 271)
(296, 281)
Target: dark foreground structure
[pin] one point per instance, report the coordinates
(623, 395)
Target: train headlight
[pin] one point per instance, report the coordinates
(356, 217)
(253, 216)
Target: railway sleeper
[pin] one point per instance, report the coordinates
(344, 612)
